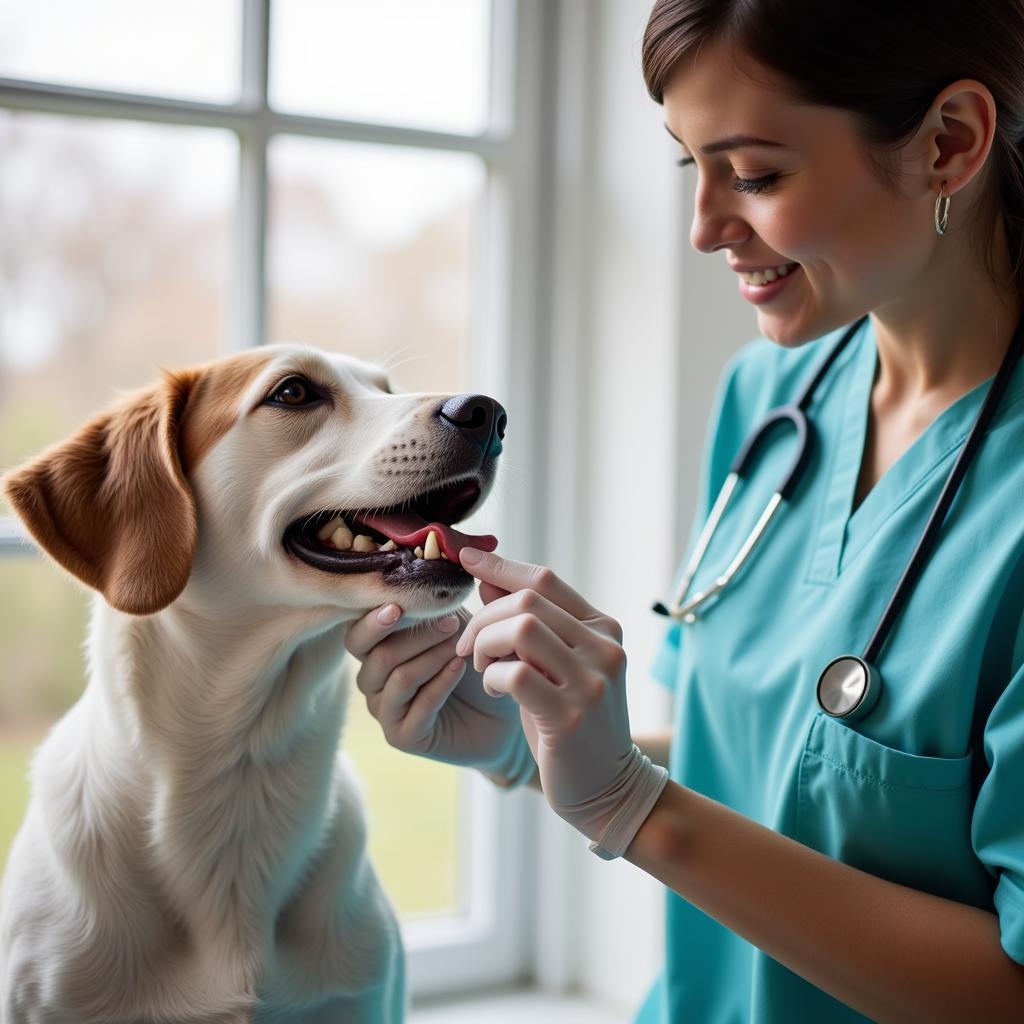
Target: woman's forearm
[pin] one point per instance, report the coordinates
(655, 745)
(891, 952)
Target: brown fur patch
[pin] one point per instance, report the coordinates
(213, 404)
(111, 504)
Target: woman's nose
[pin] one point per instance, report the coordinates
(715, 226)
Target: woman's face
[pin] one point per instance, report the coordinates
(817, 204)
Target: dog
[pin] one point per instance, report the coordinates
(194, 848)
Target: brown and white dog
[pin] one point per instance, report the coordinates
(195, 844)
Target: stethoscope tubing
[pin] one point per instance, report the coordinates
(795, 413)
(935, 520)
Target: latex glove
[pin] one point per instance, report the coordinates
(428, 706)
(562, 660)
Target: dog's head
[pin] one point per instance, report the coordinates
(279, 476)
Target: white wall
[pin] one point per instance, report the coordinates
(641, 327)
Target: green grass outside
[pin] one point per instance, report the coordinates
(413, 807)
(14, 755)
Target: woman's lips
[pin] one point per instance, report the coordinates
(760, 293)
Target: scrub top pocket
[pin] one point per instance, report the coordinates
(900, 816)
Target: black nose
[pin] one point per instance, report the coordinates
(481, 420)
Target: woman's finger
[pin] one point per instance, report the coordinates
(421, 712)
(489, 592)
(390, 647)
(528, 639)
(364, 634)
(404, 682)
(569, 629)
(512, 576)
(528, 688)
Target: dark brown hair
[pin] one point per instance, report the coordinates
(884, 61)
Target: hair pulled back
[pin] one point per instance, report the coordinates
(882, 61)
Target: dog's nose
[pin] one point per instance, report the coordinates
(481, 420)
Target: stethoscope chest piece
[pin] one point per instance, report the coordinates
(849, 688)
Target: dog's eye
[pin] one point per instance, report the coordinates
(294, 392)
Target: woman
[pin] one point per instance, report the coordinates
(819, 870)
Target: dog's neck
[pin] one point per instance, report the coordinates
(229, 726)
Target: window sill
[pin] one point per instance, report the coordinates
(515, 1007)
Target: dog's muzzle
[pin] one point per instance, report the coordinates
(410, 543)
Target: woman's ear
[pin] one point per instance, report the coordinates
(111, 504)
(961, 123)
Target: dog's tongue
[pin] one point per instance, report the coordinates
(410, 530)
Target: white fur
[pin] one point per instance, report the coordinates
(194, 847)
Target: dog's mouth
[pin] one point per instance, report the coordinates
(411, 542)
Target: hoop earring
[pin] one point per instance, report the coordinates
(941, 211)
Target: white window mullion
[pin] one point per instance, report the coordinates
(250, 291)
(250, 270)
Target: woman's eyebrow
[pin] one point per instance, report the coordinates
(732, 142)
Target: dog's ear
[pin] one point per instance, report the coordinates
(111, 504)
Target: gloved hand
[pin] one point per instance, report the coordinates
(563, 662)
(428, 707)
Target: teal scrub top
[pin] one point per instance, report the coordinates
(928, 790)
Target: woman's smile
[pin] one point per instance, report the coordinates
(764, 287)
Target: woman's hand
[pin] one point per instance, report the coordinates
(432, 704)
(562, 660)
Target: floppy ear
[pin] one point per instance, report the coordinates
(112, 505)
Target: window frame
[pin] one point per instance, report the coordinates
(490, 947)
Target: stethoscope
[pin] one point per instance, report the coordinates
(849, 686)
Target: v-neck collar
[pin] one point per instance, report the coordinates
(844, 533)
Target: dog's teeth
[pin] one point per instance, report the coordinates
(418, 551)
(364, 543)
(433, 549)
(326, 531)
(390, 546)
(342, 537)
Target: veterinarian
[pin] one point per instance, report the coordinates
(836, 847)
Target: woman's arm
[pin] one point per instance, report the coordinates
(655, 745)
(891, 952)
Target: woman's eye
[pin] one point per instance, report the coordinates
(755, 185)
(295, 391)
(749, 185)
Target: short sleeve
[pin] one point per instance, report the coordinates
(722, 441)
(997, 827)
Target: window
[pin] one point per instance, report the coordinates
(185, 180)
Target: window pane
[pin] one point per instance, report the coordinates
(42, 626)
(113, 262)
(417, 63)
(189, 49)
(371, 253)
(413, 808)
